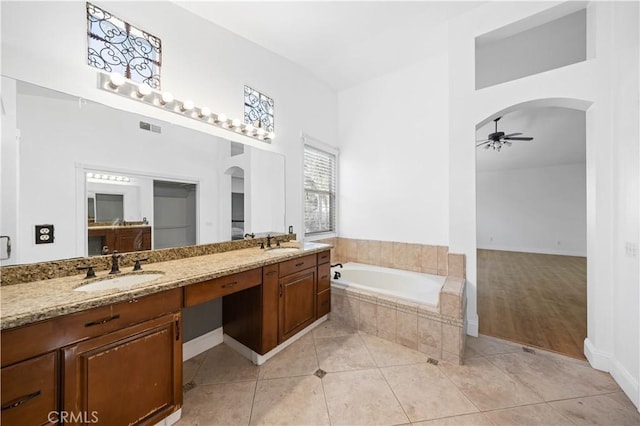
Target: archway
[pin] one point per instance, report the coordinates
(531, 226)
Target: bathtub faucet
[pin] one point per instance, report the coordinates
(336, 275)
(337, 264)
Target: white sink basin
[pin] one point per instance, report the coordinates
(282, 250)
(123, 282)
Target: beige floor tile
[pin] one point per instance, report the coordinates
(223, 365)
(387, 354)
(332, 328)
(612, 409)
(485, 345)
(224, 404)
(425, 393)
(343, 353)
(299, 359)
(487, 386)
(477, 419)
(290, 400)
(538, 414)
(361, 398)
(191, 366)
(469, 352)
(554, 378)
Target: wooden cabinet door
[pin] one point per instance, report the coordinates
(130, 376)
(297, 302)
(30, 391)
(133, 239)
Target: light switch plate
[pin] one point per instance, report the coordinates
(44, 234)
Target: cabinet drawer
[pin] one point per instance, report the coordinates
(218, 287)
(324, 277)
(31, 340)
(324, 257)
(324, 303)
(289, 267)
(29, 391)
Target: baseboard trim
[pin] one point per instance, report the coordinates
(625, 380)
(258, 359)
(171, 419)
(472, 326)
(201, 343)
(598, 359)
(558, 252)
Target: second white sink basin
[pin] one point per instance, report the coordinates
(123, 282)
(282, 250)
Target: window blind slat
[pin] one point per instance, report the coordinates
(320, 191)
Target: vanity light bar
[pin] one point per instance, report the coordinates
(117, 83)
(112, 178)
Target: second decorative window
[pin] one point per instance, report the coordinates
(258, 109)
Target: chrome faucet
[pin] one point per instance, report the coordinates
(269, 238)
(115, 268)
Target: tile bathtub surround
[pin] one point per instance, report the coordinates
(17, 274)
(422, 258)
(373, 381)
(437, 331)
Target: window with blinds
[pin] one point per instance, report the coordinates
(319, 191)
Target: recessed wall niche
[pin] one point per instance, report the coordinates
(529, 47)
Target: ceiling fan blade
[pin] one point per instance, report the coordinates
(482, 143)
(519, 139)
(511, 134)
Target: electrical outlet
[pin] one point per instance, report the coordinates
(44, 234)
(631, 249)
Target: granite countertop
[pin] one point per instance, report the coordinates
(29, 302)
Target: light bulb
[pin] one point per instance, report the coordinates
(248, 128)
(116, 80)
(260, 131)
(271, 135)
(221, 118)
(187, 106)
(89, 175)
(235, 122)
(205, 112)
(143, 90)
(166, 98)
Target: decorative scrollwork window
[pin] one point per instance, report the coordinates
(258, 109)
(117, 46)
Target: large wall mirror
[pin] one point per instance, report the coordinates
(108, 179)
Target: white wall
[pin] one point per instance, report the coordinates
(545, 47)
(606, 86)
(393, 169)
(540, 210)
(200, 61)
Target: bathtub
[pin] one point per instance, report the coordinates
(411, 286)
(423, 312)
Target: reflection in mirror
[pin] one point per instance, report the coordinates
(54, 145)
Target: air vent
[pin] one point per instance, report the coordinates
(150, 127)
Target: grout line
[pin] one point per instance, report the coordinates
(394, 394)
(324, 393)
(467, 397)
(253, 401)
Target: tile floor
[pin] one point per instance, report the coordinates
(372, 381)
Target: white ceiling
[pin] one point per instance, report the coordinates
(342, 43)
(559, 138)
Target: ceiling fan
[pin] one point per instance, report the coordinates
(497, 140)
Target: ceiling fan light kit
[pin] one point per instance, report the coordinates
(497, 140)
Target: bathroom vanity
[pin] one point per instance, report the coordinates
(115, 356)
